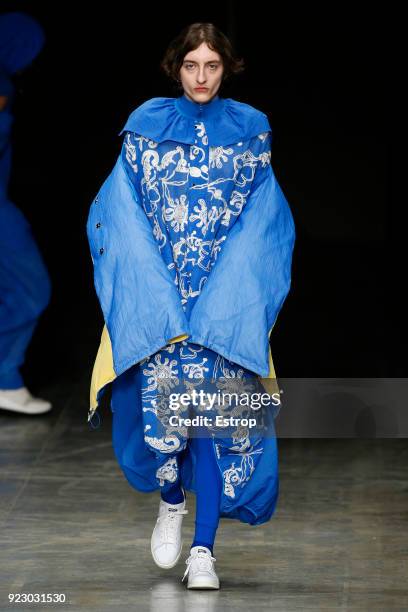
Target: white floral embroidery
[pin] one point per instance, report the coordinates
(177, 213)
(219, 155)
(168, 444)
(167, 472)
(236, 476)
(160, 374)
(195, 370)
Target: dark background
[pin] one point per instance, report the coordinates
(324, 78)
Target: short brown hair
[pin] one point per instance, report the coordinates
(190, 38)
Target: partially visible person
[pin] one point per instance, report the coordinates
(25, 288)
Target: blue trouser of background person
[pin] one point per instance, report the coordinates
(25, 291)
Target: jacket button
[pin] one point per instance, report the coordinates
(98, 225)
(96, 199)
(101, 250)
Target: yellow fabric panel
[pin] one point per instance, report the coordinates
(103, 372)
(270, 383)
(272, 373)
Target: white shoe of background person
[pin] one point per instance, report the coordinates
(21, 400)
(166, 542)
(200, 569)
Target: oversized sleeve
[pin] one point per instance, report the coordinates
(240, 301)
(139, 301)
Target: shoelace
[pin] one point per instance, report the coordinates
(204, 562)
(169, 523)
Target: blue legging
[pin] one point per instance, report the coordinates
(208, 485)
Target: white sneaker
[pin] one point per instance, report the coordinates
(21, 400)
(200, 569)
(166, 543)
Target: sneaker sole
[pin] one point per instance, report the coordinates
(203, 583)
(23, 410)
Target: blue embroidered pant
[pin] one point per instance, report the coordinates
(25, 291)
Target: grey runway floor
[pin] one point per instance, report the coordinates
(71, 524)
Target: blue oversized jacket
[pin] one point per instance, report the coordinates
(247, 283)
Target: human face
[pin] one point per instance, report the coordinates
(201, 68)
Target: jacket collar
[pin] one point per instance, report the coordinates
(196, 110)
(227, 121)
